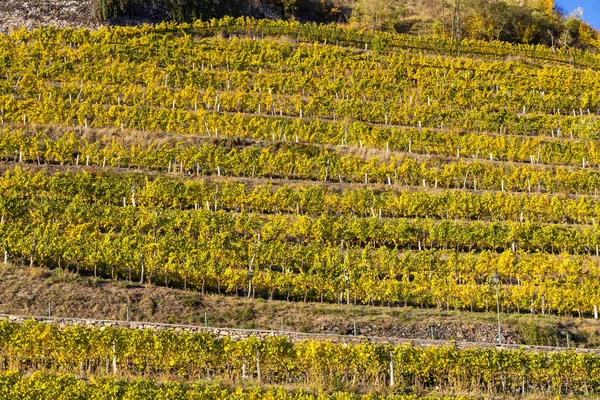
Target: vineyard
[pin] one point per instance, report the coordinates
(279, 161)
(277, 360)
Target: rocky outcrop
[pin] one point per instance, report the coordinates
(30, 14)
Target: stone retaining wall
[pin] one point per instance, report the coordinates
(240, 334)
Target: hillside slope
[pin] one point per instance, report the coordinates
(257, 169)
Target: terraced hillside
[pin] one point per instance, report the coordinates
(304, 163)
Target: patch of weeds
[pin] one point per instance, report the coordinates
(61, 275)
(148, 305)
(192, 302)
(38, 272)
(123, 284)
(248, 325)
(240, 315)
(324, 311)
(92, 282)
(400, 316)
(578, 337)
(536, 335)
